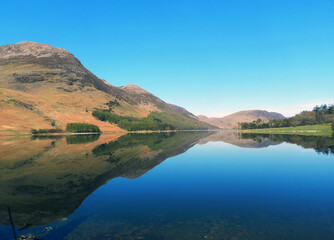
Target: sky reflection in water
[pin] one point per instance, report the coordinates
(214, 190)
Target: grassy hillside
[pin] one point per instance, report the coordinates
(43, 87)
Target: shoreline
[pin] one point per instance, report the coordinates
(305, 133)
(308, 130)
(28, 133)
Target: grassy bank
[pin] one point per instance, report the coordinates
(15, 133)
(312, 130)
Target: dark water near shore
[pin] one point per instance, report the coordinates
(189, 185)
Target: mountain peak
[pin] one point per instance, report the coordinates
(28, 48)
(134, 88)
(30, 42)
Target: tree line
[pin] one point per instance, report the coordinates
(82, 127)
(70, 127)
(319, 115)
(154, 121)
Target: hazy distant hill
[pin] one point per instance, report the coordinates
(45, 87)
(231, 121)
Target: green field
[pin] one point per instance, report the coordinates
(314, 130)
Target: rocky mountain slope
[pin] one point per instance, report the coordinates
(47, 87)
(231, 121)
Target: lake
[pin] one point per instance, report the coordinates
(184, 185)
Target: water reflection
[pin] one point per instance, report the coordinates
(82, 139)
(235, 138)
(324, 145)
(45, 179)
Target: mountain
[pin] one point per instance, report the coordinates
(47, 87)
(231, 121)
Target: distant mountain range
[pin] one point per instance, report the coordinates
(47, 87)
(231, 121)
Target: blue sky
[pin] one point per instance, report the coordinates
(211, 57)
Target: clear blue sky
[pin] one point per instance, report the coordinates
(211, 57)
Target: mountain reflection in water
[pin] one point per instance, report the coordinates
(45, 179)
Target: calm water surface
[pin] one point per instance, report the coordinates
(191, 185)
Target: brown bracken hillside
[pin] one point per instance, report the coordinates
(47, 87)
